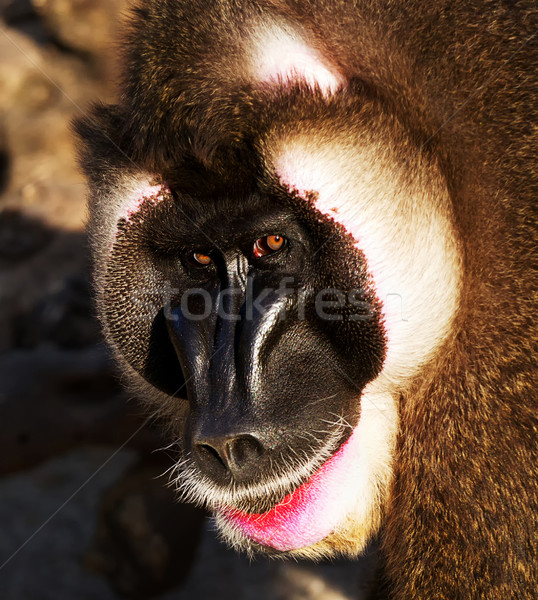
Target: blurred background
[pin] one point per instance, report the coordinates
(84, 508)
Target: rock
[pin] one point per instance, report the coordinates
(83, 25)
(20, 237)
(16, 11)
(4, 159)
(21, 15)
(65, 318)
(146, 541)
(40, 92)
(52, 400)
(47, 518)
(43, 204)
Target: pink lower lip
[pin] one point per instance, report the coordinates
(308, 514)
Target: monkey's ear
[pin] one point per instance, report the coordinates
(280, 54)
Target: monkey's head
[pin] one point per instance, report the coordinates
(272, 277)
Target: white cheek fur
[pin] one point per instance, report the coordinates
(406, 237)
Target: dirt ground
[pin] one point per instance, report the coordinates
(84, 513)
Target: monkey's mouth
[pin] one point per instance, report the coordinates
(308, 514)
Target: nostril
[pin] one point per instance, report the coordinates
(211, 453)
(239, 456)
(242, 451)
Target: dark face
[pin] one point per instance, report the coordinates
(259, 310)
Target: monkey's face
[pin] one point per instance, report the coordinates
(264, 307)
(260, 320)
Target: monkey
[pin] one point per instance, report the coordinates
(314, 233)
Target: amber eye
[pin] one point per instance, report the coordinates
(268, 245)
(201, 259)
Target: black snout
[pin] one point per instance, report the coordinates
(237, 456)
(261, 369)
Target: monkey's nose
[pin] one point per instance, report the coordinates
(238, 455)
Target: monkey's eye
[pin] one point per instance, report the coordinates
(201, 260)
(268, 245)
